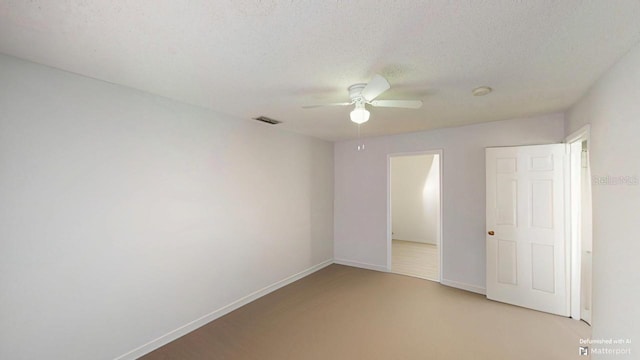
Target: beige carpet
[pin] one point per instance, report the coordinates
(415, 259)
(342, 312)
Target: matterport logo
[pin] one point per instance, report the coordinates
(613, 347)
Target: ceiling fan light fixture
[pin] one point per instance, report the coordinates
(360, 114)
(362, 94)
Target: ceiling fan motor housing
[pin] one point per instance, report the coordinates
(355, 92)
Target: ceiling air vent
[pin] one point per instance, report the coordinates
(267, 120)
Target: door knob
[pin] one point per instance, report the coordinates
(491, 233)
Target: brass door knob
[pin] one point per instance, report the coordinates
(491, 233)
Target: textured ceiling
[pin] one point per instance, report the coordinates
(249, 57)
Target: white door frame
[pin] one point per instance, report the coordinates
(581, 134)
(438, 152)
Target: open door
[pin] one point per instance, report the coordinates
(526, 263)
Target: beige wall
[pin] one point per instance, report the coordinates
(612, 107)
(124, 215)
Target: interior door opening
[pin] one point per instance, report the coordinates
(415, 245)
(581, 225)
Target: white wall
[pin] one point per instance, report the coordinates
(124, 215)
(360, 213)
(415, 198)
(612, 107)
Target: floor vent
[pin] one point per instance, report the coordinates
(267, 120)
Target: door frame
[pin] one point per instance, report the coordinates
(572, 213)
(438, 152)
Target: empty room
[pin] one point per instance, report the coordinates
(270, 179)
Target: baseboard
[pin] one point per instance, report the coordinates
(360, 265)
(193, 325)
(464, 286)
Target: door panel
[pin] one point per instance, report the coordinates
(542, 204)
(507, 262)
(526, 263)
(543, 268)
(507, 202)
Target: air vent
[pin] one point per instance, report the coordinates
(267, 120)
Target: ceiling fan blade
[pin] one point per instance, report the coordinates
(375, 87)
(409, 104)
(324, 105)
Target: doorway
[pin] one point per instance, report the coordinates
(415, 222)
(580, 218)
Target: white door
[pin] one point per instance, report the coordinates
(526, 263)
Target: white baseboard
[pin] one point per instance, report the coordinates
(193, 325)
(464, 286)
(361, 265)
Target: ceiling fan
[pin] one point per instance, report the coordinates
(362, 94)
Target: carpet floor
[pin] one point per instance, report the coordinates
(342, 312)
